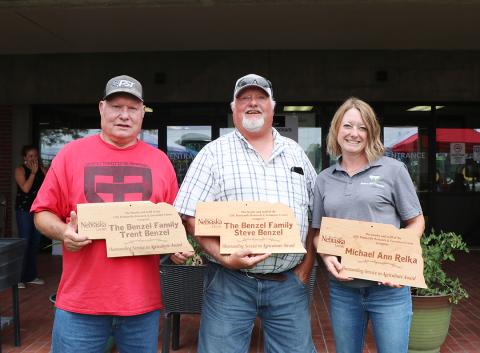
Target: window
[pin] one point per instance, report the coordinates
(52, 140)
(409, 144)
(457, 159)
(183, 144)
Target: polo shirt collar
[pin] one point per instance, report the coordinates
(338, 167)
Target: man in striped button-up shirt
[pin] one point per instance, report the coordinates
(253, 163)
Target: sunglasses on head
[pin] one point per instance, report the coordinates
(258, 81)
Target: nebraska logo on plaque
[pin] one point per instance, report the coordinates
(373, 251)
(133, 228)
(262, 227)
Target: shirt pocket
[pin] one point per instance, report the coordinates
(299, 190)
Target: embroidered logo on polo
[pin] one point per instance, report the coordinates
(111, 182)
(374, 180)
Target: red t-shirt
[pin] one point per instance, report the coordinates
(91, 171)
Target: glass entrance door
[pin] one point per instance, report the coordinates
(183, 144)
(409, 144)
(406, 138)
(184, 130)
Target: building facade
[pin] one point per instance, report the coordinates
(417, 63)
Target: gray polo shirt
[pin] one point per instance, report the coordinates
(382, 192)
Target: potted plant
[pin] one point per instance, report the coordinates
(432, 306)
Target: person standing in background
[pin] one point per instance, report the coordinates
(29, 177)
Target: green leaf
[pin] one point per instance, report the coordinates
(437, 248)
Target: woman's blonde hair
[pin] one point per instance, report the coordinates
(374, 148)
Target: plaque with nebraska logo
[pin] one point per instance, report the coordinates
(133, 228)
(373, 251)
(261, 227)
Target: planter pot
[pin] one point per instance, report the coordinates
(430, 322)
(182, 292)
(182, 288)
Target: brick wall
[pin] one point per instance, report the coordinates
(6, 172)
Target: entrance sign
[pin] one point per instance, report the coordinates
(262, 227)
(374, 251)
(133, 228)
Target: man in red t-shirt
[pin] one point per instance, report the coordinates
(99, 296)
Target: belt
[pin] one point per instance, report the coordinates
(278, 277)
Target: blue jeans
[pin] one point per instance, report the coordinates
(232, 301)
(27, 231)
(81, 333)
(389, 309)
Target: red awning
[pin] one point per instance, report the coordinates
(444, 137)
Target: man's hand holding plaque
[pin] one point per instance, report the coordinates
(134, 228)
(260, 227)
(373, 251)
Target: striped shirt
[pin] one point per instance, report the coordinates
(229, 169)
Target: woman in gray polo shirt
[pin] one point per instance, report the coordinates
(364, 185)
